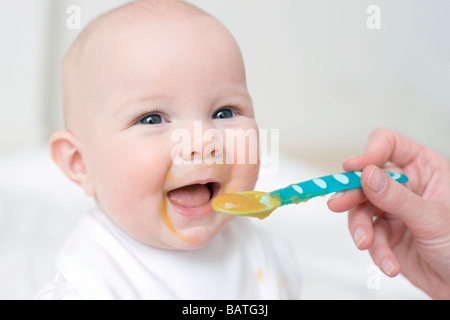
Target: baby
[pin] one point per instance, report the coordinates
(133, 79)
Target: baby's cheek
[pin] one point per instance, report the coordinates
(241, 177)
(244, 167)
(129, 176)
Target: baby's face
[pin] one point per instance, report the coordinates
(152, 90)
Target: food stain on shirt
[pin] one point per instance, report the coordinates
(259, 275)
(282, 281)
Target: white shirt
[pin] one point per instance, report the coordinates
(100, 261)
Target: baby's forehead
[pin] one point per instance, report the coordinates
(105, 34)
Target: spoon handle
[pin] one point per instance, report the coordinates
(306, 190)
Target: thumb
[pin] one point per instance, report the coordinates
(395, 199)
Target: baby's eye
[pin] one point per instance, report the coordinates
(152, 119)
(224, 113)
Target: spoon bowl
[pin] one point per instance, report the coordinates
(248, 203)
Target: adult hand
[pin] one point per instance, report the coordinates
(406, 228)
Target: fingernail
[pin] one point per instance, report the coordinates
(376, 181)
(336, 195)
(350, 158)
(359, 236)
(387, 266)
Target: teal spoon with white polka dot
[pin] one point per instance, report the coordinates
(261, 204)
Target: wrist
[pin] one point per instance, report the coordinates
(439, 292)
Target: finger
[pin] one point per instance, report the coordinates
(394, 198)
(360, 225)
(344, 201)
(385, 145)
(381, 251)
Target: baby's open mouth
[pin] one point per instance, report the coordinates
(191, 200)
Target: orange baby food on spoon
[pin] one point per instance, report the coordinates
(250, 203)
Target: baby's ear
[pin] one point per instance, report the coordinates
(65, 151)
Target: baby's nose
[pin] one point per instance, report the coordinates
(205, 144)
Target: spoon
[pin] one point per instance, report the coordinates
(261, 204)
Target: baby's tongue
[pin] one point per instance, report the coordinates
(191, 196)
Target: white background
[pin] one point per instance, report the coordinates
(315, 72)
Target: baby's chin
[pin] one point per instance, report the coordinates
(196, 234)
